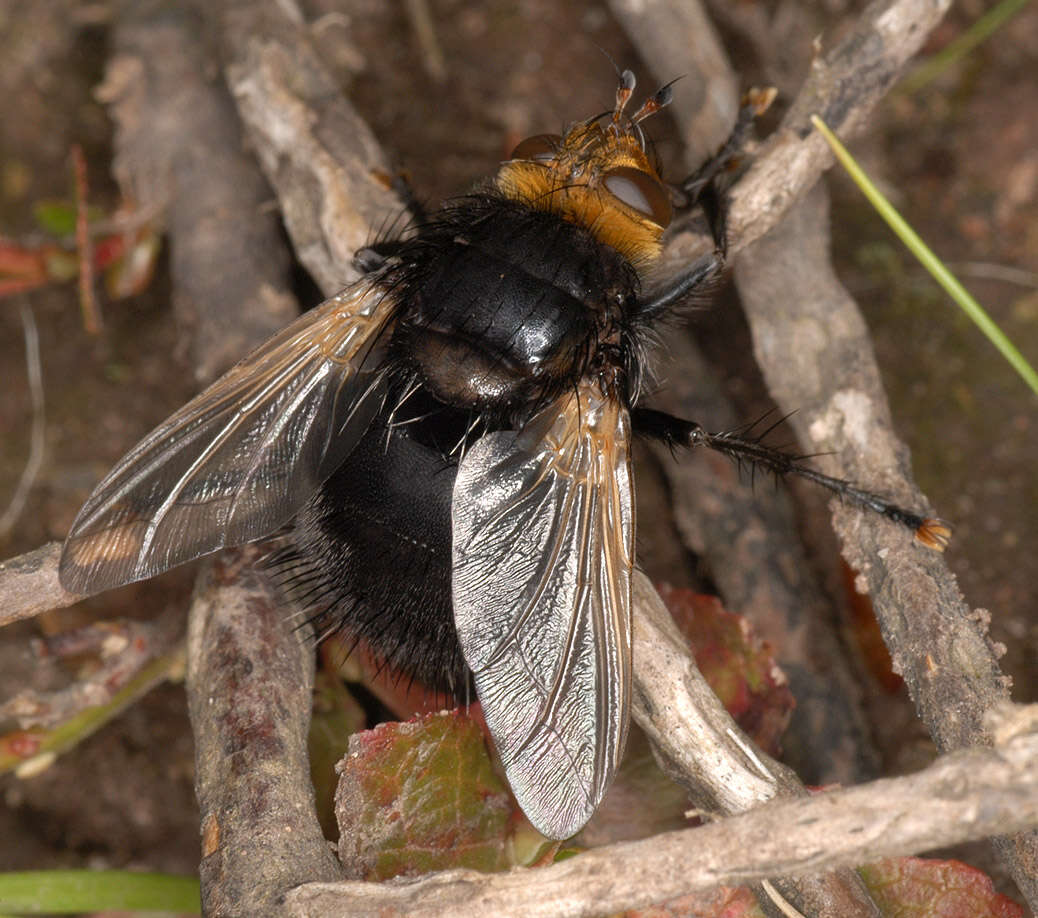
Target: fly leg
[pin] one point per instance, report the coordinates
(703, 270)
(710, 173)
(705, 189)
(674, 432)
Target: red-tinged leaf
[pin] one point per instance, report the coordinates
(912, 887)
(420, 796)
(723, 902)
(131, 273)
(21, 268)
(24, 268)
(737, 664)
(336, 716)
(864, 628)
(642, 801)
(109, 249)
(18, 746)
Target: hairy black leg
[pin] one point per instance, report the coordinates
(699, 272)
(388, 241)
(753, 104)
(704, 269)
(371, 258)
(674, 432)
(703, 189)
(712, 201)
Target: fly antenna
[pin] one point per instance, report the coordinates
(660, 99)
(623, 95)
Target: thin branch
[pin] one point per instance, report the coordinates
(37, 437)
(698, 744)
(121, 650)
(29, 585)
(178, 149)
(844, 86)
(424, 29)
(962, 796)
(938, 645)
(331, 177)
(64, 718)
(249, 683)
(91, 311)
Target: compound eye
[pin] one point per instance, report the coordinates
(641, 191)
(540, 148)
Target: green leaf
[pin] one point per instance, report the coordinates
(55, 217)
(58, 217)
(65, 892)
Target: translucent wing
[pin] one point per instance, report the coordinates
(543, 549)
(241, 458)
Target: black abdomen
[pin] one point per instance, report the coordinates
(372, 557)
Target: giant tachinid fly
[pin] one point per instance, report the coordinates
(450, 439)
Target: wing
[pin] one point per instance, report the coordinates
(543, 537)
(241, 458)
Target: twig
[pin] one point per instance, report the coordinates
(843, 87)
(699, 746)
(37, 440)
(179, 148)
(948, 662)
(964, 795)
(89, 704)
(120, 650)
(695, 740)
(29, 585)
(425, 31)
(249, 682)
(332, 180)
(85, 246)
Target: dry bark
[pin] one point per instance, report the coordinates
(29, 584)
(249, 683)
(332, 180)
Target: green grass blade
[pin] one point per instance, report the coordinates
(927, 258)
(60, 892)
(979, 32)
